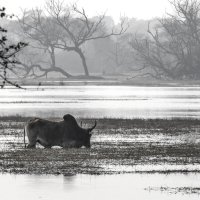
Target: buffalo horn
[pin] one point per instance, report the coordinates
(90, 129)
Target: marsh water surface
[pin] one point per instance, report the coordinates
(87, 187)
(102, 101)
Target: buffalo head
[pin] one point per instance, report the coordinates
(89, 134)
(82, 136)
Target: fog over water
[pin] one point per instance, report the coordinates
(102, 101)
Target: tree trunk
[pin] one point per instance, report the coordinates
(53, 64)
(79, 51)
(52, 55)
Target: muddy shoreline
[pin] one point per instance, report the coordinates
(118, 146)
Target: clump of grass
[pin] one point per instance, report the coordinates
(176, 190)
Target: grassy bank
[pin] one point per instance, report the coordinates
(118, 146)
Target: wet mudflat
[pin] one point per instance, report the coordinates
(147, 159)
(118, 146)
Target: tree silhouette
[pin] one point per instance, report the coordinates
(79, 29)
(8, 51)
(44, 34)
(172, 48)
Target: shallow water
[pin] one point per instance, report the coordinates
(102, 101)
(87, 187)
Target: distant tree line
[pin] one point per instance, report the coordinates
(167, 48)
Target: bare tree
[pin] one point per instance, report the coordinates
(79, 28)
(44, 35)
(172, 48)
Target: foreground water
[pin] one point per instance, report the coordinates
(85, 187)
(102, 101)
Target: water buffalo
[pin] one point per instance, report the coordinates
(66, 133)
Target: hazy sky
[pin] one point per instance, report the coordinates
(141, 9)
